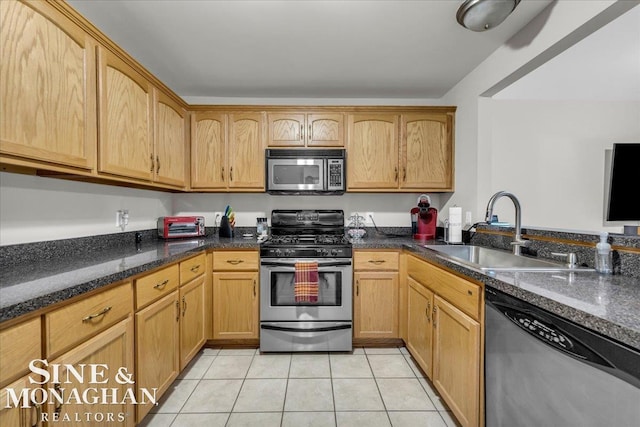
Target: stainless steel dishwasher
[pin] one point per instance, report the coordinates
(542, 370)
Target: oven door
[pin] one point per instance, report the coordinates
(277, 296)
(293, 174)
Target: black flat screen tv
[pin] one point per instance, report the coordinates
(623, 201)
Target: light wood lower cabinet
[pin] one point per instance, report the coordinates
(447, 344)
(235, 305)
(112, 349)
(376, 294)
(236, 290)
(157, 343)
(456, 360)
(19, 345)
(192, 312)
(375, 313)
(26, 413)
(420, 331)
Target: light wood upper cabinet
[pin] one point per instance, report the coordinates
(456, 366)
(372, 151)
(47, 87)
(170, 147)
(126, 115)
(426, 151)
(208, 150)
(246, 151)
(227, 151)
(305, 129)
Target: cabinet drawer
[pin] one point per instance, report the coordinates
(235, 261)
(75, 322)
(374, 260)
(155, 285)
(462, 293)
(19, 345)
(192, 268)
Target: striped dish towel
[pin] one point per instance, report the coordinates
(306, 282)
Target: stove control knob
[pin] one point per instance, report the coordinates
(334, 251)
(277, 252)
(289, 252)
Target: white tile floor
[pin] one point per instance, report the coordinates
(369, 387)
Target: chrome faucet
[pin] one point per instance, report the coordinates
(518, 241)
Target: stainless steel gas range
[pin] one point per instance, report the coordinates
(306, 283)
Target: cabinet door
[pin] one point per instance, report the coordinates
(125, 111)
(192, 305)
(376, 305)
(235, 305)
(208, 150)
(19, 345)
(456, 361)
(47, 86)
(419, 326)
(246, 151)
(170, 147)
(325, 130)
(285, 130)
(157, 358)
(427, 152)
(114, 350)
(26, 414)
(372, 161)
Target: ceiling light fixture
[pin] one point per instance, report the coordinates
(482, 15)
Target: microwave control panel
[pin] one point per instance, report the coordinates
(335, 174)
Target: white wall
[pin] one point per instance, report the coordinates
(551, 155)
(388, 209)
(34, 209)
(478, 162)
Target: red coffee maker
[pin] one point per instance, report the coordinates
(424, 219)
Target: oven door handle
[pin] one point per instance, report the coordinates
(292, 265)
(319, 329)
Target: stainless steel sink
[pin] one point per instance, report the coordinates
(486, 259)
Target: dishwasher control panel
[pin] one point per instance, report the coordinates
(553, 336)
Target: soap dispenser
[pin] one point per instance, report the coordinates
(604, 259)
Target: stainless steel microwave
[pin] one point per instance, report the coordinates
(305, 171)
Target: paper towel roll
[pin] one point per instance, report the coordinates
(455, 224)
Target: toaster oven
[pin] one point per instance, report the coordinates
(180, 226)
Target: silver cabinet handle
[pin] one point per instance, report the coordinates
(152, 164)
(177, 311)
(254, 288)
(161, 285)
(157, 164)
(235, 261)
(184, 306)
(195, 268)
(310, 132)
(377, 261)
(93, 316)
(301, 132)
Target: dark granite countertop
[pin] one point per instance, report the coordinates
(607, 304)
(29, 286)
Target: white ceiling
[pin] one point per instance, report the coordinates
(302, 49)
(603, 66)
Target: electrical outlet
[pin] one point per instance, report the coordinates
(217, 217)
(368, 218)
